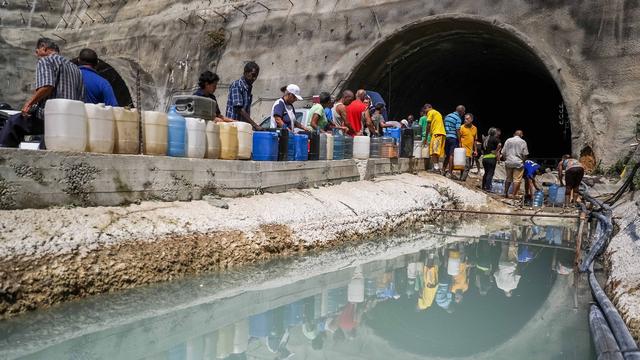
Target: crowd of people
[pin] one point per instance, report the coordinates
(442, 279)
(353, 114)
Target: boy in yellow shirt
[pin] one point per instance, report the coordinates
(437, 132)
(468, 140)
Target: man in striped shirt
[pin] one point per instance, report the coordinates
(452, 124)
(240, 95)
(56, 78)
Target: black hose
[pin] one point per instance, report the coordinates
(603, 340)
(599, 244)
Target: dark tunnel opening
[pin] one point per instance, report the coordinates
(486, 68)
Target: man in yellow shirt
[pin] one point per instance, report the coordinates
(468, 140)
(437, 132)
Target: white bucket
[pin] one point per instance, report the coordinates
(361, 147)
(196, 138)
(155, 132)
(127, 129)
(213, 140)
(459, 158)
(245, 140)
(65, 125)
(101, 128)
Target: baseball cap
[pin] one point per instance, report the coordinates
(295, 90)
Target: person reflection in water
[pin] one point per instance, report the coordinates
(507, 277)
(460, 276)
(443, 293)
(485, 256)
(428, 281)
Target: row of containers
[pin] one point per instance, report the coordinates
(76, 126)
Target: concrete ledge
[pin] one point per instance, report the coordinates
(39, 179)
(379, 167)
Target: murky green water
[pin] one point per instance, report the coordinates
(423, 296)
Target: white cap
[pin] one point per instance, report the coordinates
(295, 90)
(405, 122)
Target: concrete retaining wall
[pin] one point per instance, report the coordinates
(38, 179)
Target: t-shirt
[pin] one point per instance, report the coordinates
(285, 111)
(468, 137)
(329, 113)
(424, 124)
(515, 151)
(506, 277)
(354, 115)
(437, 124)
(452, 123)
(97, 89)
(570, 163)
(460, 281)
(322, 117)
(530, 168)
(377, 119)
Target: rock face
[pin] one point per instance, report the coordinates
(587, 48)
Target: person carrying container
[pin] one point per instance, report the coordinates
(207, 84)
(283, 114)
(240, 96)
(319, 121)
(573, 172)
(531, 169)
(452, 124)
(437, 134)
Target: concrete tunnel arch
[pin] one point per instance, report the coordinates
(492, 68)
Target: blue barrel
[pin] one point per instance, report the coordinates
(553, 193)
(265, 146)
(301, 147)
(338, 146)
(291, 153)
(177, 135)
(348, 147)
(394, 133)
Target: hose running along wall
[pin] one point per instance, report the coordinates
(600, 330)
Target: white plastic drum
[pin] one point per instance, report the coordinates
(196, 138)
(355, 289)
(453, 264)
(127, 129)
(213, 140)
(245, 140)
(228, 141)
(361, 147)
(417, 149)
(459, 158)
(155, 132)
(101, 128)
(65, 125)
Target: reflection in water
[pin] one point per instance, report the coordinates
(476, 298)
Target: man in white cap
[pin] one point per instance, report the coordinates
(283, 114)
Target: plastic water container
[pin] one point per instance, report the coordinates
(497, 187)
(348, 147)
(65, 125)
(291, 148)
(538, 199)
(196, 138)
(406, 143)
(265, 146)
(330, 141)
(322, 150)
(560, 196)
(361, 147)
(301, 147)
(417, 131)
(314, 145)
(213, 140)
(459, 158)
(338, 146)
(394, 133)
(177, 136)
(228, 141)
(127, 131)
(155, 132)
(245, 139)
(374, 149)
(417, 149)
(283, 144)
(101, 128)
(388, 148)
(553, 193)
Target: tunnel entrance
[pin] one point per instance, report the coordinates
(487, 68)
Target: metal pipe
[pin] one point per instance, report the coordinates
(509, 214)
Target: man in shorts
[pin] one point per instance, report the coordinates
(452, 124)
(437, 133)
(514, 152)
(573, 173)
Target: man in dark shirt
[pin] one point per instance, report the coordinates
(98, 89)
(56, 78)
(240, 96)
(208, 83)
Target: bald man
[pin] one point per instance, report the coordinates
(515, 152)
(340, 112)
(452, 124)
(355, 110)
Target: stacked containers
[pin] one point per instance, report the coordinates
(101, 128)
(127, 131)
(338, 146)
(155, 132)
(177, 136)
(301, 147)
(314, 146)
(376, 145)
(245, 140)
(406, 143)
(361, 147)
(265, 146)
(213, 140)
(322, 150)
(65, 125)
(330, 141)
(196, 138)
(394, 133)
(388, 148)
(348, 147)
(228, 141)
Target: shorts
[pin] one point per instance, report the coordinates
(449, 146)
(515, 175)
(573, 177)
(436, 146)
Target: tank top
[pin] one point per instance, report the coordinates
(337, 119)
(570, 163)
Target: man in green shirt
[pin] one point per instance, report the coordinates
(424, 124)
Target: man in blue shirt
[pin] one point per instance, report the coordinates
(97, 89)
(531, 169)
(240, 96)
(452, 124)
